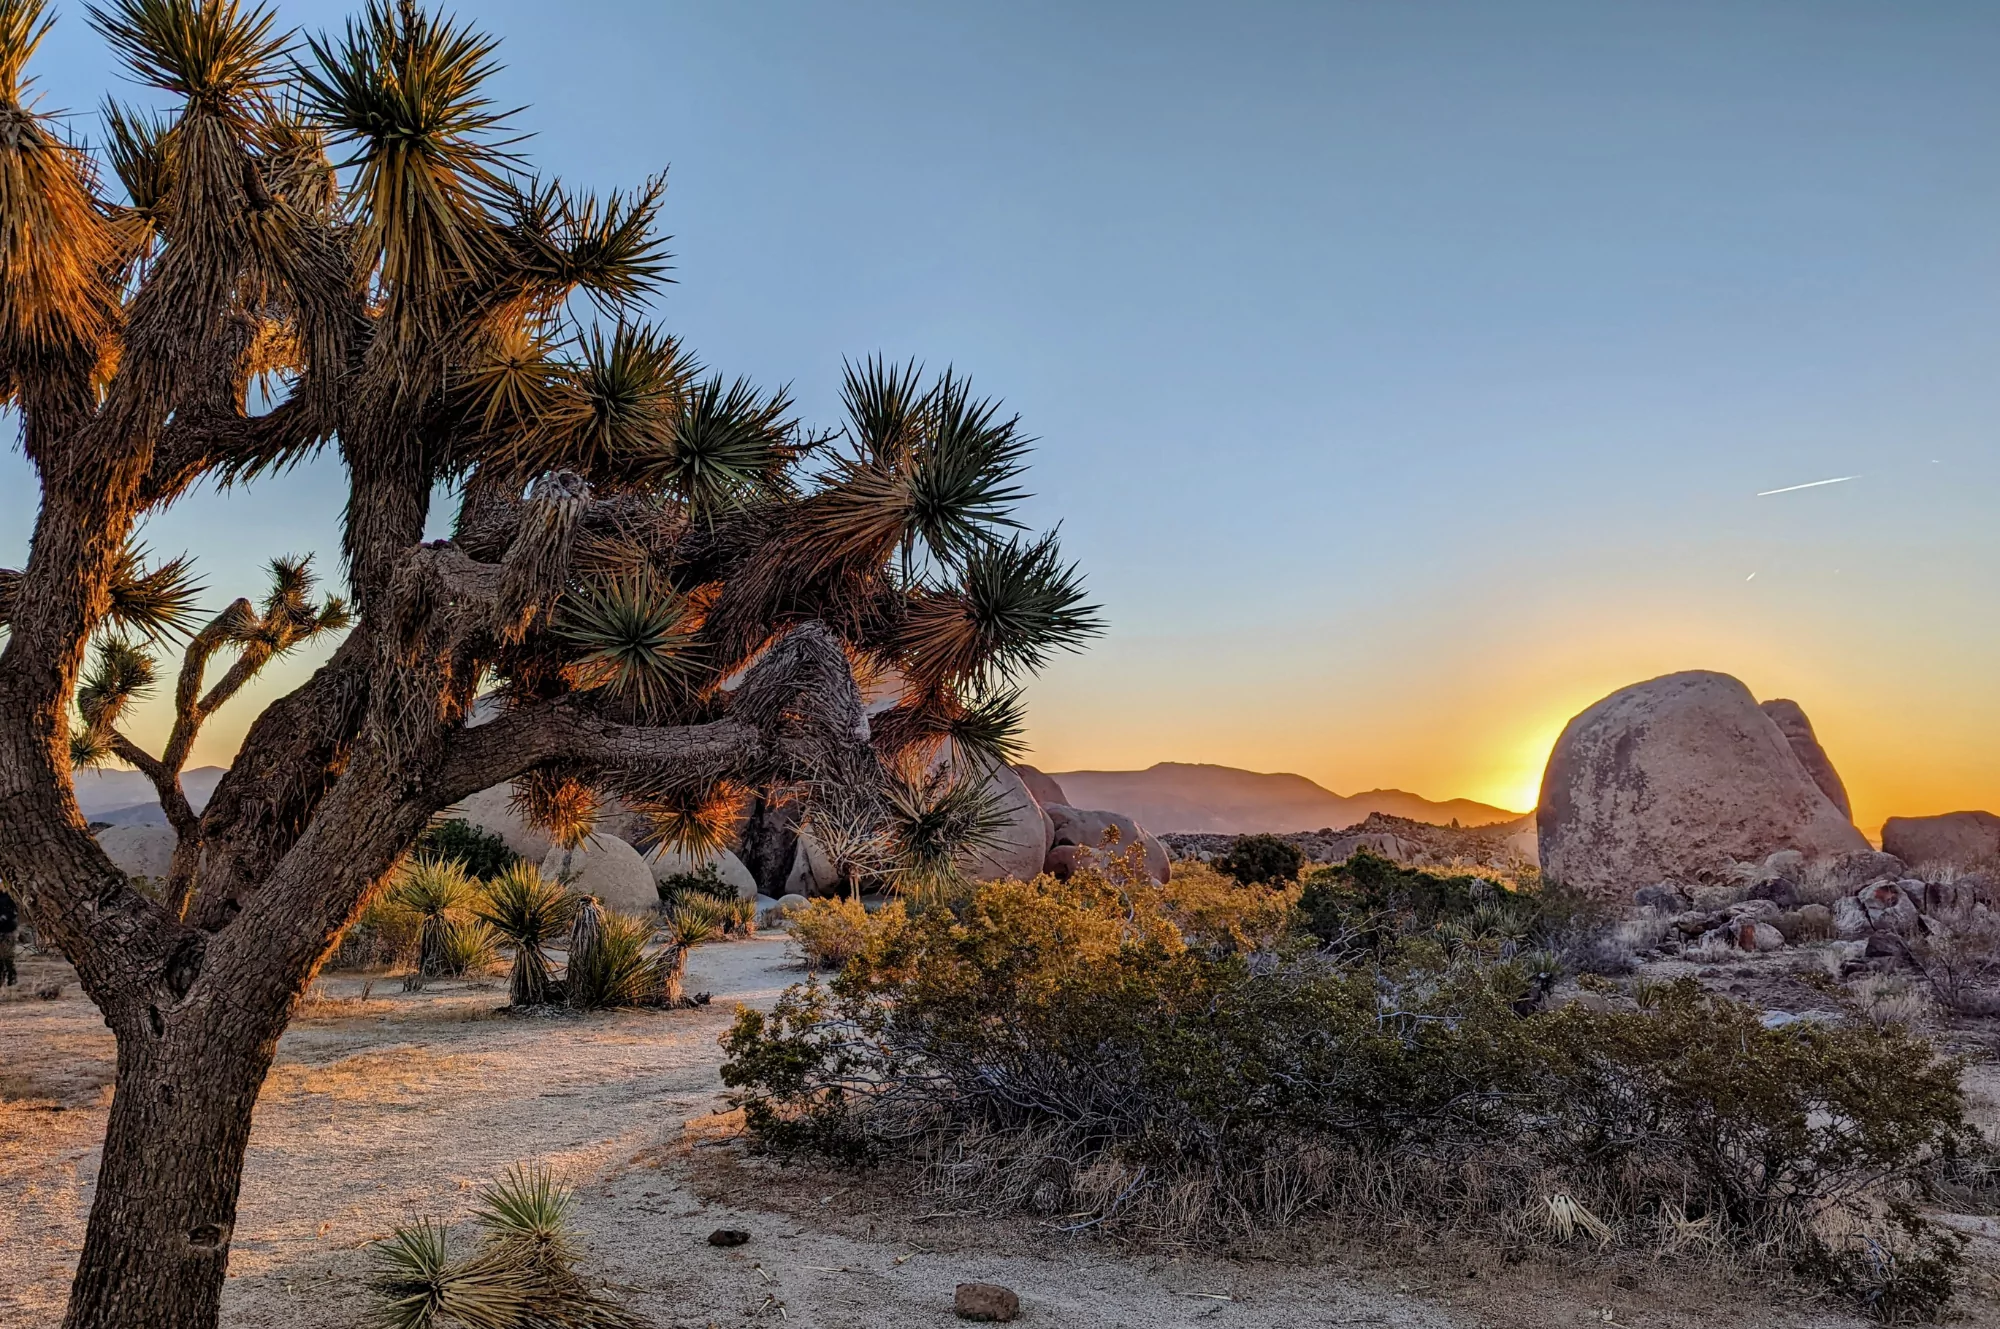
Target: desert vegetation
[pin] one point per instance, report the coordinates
(660, 585)
(1210, 1061)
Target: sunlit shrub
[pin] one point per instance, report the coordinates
(1062, 1047)
(831, 932)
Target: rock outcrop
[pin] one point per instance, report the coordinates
(1079, 832)
(664, 863)
(1791, 720)
(1043, 787)
(491, 811)
(139, 851)
(608, 868)
(1678, 778)
(1966, 839)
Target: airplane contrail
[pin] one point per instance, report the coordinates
(1810, 484)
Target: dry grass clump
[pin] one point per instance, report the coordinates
(1066, 1049)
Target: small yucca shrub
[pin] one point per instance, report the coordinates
(439, 893)
(522, 1275)
(614, 968)
(530, 912)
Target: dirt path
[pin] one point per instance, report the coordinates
(399, 1106)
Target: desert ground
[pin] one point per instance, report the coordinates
(386, 1106)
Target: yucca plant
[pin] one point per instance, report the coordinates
(522, 1276)
(613, 968)
(438, 892)
(330, 244)
(696, 919)
(530, 912)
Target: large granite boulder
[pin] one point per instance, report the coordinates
(1966, 839)
(1678, 778)
(1791, 720)
(491, 811)
(1043, 787)
(608, 868)
(139, 851)
(664, 863)
(1080, 832)
(1020, 842)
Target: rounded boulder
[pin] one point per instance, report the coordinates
(608, 868)
(664, 863)
(1679, 778)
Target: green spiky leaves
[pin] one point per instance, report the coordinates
(405, 89)
(934, 468)
(938, 819)
(636, 638)
(120, 674)
(213, 52)
(1013, 607)
(153, 602)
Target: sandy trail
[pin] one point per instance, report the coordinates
(401, 1105)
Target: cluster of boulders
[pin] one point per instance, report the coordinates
(1871, 901)
(1038, 832)
(1412, 843)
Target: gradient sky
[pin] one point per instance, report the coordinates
(1404, 374)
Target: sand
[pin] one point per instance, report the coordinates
(401, 1105)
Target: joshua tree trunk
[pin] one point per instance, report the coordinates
(157, 1247)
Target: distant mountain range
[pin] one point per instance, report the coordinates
(1172, 796)
(1178, 796)
(126, 798)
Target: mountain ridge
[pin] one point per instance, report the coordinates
(1171, 796)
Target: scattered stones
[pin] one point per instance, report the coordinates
(1815, 921)
(985, 1301)
(728, 1236)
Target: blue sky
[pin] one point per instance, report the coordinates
(1404, 374)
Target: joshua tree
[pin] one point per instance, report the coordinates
(660, 585)
(124, 671)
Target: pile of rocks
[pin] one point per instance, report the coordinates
(1413, 843)
(1869, 903)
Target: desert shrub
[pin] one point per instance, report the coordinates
(831, 932)
(698, 918)
(465, 946)
(522, 1274)
(705, 881)
(483, 854)
(615, 969)
(1262, 860)
(383, 937)
(439, 894)
(1061, 1047)
(1960, 959)
(530, 912)
(1219, 913)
